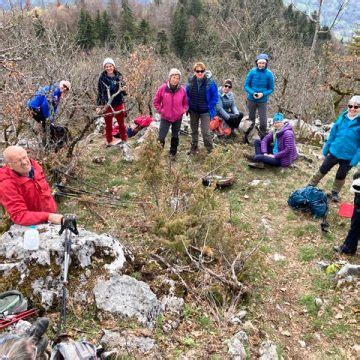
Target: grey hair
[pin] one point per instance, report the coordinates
(16, 349)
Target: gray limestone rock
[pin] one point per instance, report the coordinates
(52, 244)
(236, 346)
(127, 297)
(268, 351)
(84, 249)
(348, 269)
(126, 341)
(172, 304)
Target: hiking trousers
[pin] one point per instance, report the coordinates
(120, 117)
(352, 239)
(262, 109)
(165, 126)
(330, 161)
(204, 121)
(260, 157)
(175, 129)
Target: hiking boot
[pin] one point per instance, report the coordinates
(41, 347)
(343, 250)
(38, 329)
(257, 165)
(335, 196)
(249, 157)
(193, 150)
(172, 157)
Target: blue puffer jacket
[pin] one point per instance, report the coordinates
(212, 95)
(259, 80)
(344, 139)
(46, 101)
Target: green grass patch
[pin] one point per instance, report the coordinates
(307, 253)
(334, 330)
(309, 302)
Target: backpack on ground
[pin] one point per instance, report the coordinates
(309, 199)
(12, 302)
(74, 350)
(59, 136)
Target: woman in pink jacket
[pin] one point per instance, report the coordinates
(170, 102)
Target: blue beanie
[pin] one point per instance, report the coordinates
(278, 117)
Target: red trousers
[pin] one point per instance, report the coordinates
(120, 117)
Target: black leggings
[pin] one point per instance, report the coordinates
(330, 161)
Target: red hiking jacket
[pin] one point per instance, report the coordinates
(28, 201)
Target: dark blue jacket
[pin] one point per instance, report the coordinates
(259, 80)
(46, 101)
(113, 83)
(212, 95)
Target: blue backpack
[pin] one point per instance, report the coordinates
(309, 198)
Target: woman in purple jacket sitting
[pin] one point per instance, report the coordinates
(277, 148)
(171, 103)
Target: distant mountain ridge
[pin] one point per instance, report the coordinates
(348, 21)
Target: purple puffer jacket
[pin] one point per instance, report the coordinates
(286, 145)
(170, 105)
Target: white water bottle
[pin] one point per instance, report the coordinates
(31, 238)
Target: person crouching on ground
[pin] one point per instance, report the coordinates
(111, 82)
(342, 147)
(277, 148)
(350, 244)
(202, 96)
(226, 108)
(170, 102)
(24, 192)
(45, 103)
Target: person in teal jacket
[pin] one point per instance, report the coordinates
(342, 147)
(259, 84)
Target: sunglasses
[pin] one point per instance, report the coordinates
(353, 106)
(228, 86)
(200, 71)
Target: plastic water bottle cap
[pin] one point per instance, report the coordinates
(32, 226)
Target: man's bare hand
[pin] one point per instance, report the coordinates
(55, 218)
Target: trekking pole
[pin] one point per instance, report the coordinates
(68, 225)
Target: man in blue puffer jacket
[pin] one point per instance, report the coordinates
(342, 147)
(259, 84)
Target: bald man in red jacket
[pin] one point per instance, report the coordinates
(24, 192)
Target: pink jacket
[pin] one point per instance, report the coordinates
(170, 105)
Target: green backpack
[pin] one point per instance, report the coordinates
(12, 302)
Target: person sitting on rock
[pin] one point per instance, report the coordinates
(350, 244)
(24, 192)
(226, 108)
(277, 148)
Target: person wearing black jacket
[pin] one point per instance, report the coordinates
(351, 242)
(111, 81)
